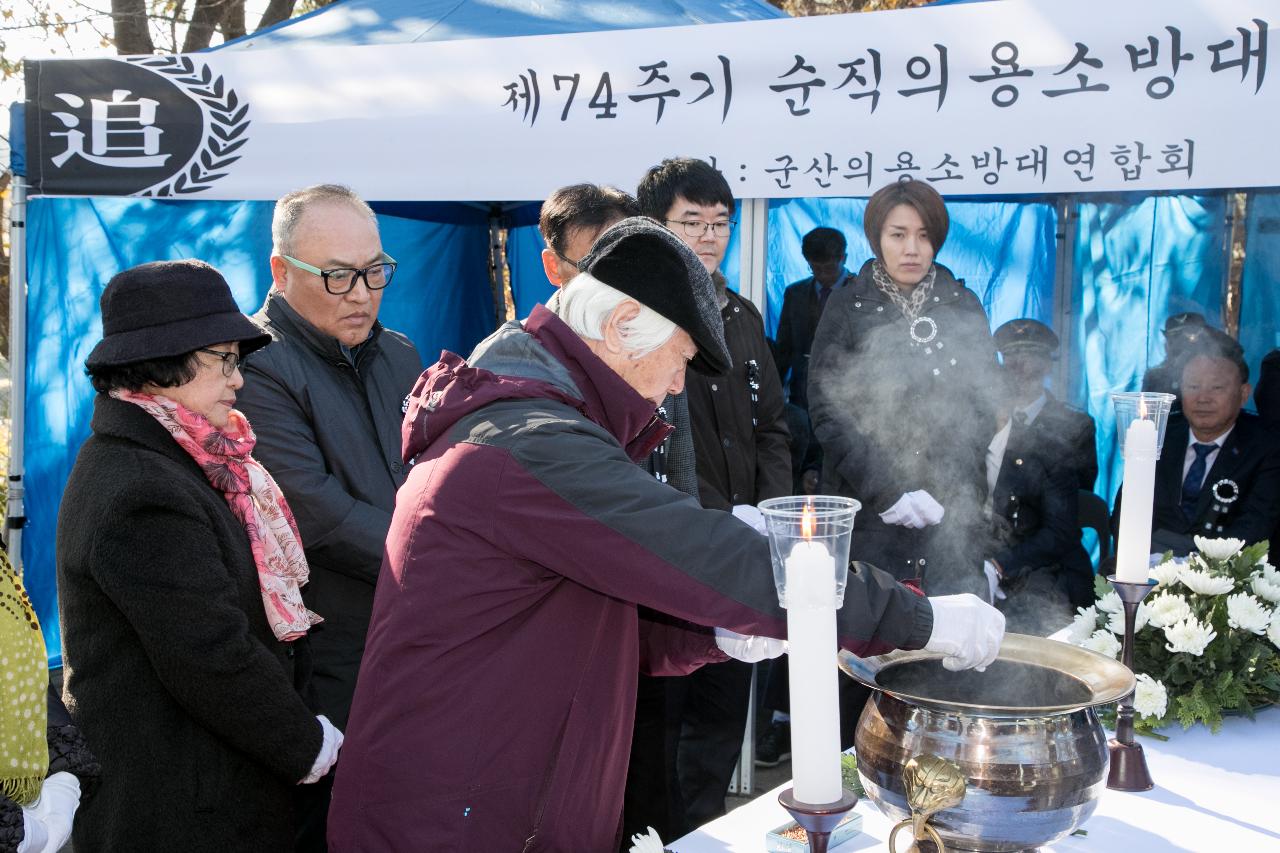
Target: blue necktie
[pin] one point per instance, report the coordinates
(1195, 478)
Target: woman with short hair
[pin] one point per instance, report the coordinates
(179, 574)
(900, 380)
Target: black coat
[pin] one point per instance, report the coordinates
(1035, 514)
(740, 446)
(329, 432)
(893, 415)
(1250, 457)
(796, 326)
(171, 671)
(1077, 431)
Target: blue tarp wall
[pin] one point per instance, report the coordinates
(1136, 259)
(441, 298)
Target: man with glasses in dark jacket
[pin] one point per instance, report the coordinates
(327, 402)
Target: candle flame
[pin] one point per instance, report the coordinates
(808, 521)
(1142, 408)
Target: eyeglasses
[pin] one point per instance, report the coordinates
(573, 264)
(342, 280)
(230, 360)
(696, 227)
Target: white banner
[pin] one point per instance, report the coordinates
(1019, 96)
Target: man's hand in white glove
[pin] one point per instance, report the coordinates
(904, 514)
(749, 649)
(47, 823)
(966, 630)
(751, 515)
(328, 755)
(926, 507)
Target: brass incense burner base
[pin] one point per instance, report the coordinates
(1000, 761)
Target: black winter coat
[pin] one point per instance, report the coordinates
(1035, 514)
(171, 670)
(329, 432)
(740, 444)
(894, 415)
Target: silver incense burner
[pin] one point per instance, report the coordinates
(999, 761)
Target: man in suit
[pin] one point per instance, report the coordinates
(802, 304)
(1035, 464)
(1028, 349)
(1219, 469)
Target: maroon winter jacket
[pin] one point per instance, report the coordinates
(494, 706)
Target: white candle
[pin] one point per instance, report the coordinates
(815, 703)
(1134, 543)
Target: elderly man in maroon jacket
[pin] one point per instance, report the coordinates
(493, 710)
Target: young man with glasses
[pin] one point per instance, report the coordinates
(327, 402)
(742, 456)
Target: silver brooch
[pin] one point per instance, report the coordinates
(929, 335)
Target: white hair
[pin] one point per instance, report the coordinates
(585, 304)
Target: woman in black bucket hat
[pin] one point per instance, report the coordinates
(179, 570)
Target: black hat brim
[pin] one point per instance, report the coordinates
(177, 338)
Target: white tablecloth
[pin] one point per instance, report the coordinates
(1214, 793)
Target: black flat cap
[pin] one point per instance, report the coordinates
(1186, 320)
(653, 266)
(169, 308)
(1025, 334)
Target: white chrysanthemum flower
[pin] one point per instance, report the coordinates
(1166, 573)
(1266, 584)
(1247, 613)
(1273, 632)
(1086, 622)
(1103, 642)
(1218, 549)
(1206, 584)
(1190, 635)
(1166, 608)
(1116, 623)
(650, 842)
(1110, 603)
(1150, 699)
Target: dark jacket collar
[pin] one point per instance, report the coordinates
(606, 397)
(120, 419)
(278, 312)
(946, 287)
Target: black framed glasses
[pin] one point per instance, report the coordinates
(341, 280)
(696, 227)
(230, 360)
(571, 263)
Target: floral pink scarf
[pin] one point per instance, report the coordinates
(255, 499)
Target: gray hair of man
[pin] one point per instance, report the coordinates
(586, 303)
(291, 207)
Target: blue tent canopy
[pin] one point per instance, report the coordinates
(1103, 271)
(441, 298)
(350, 22)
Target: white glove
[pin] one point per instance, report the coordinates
(966, 630)
(47, 824)
(993, 581)
(751, 515)
(328, 755)
(926, 507)
(749, 649)
(903, 513)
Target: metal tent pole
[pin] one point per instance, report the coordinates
(753, 250)
(15, 515)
